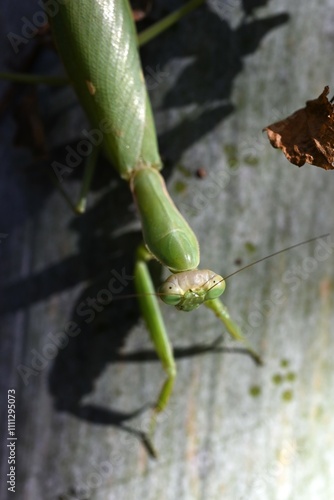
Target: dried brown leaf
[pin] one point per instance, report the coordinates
(307, 136)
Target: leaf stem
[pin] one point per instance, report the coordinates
(168, 21)
(34, 79)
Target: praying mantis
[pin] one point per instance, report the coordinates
(98, 44)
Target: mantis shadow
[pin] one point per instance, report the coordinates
(206, 70)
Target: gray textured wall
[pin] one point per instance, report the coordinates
(234, 430)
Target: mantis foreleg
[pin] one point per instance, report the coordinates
(151, 312)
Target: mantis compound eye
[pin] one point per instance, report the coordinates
(216, 286)
(170, 293)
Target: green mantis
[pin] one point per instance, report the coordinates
(98, 44)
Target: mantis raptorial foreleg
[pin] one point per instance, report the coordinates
(222, 313)
(155, 324)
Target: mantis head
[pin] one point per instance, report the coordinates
(187, 290)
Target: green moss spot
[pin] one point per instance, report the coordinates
(250, 247)
(251, 160)
(255, 391)
(284, 363)
(319, 412)
(287, 395)
(180, 186)
(291, 376)
(231, 153)
(277, 378)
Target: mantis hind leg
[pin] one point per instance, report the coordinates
(89, 168)
(152, 314)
